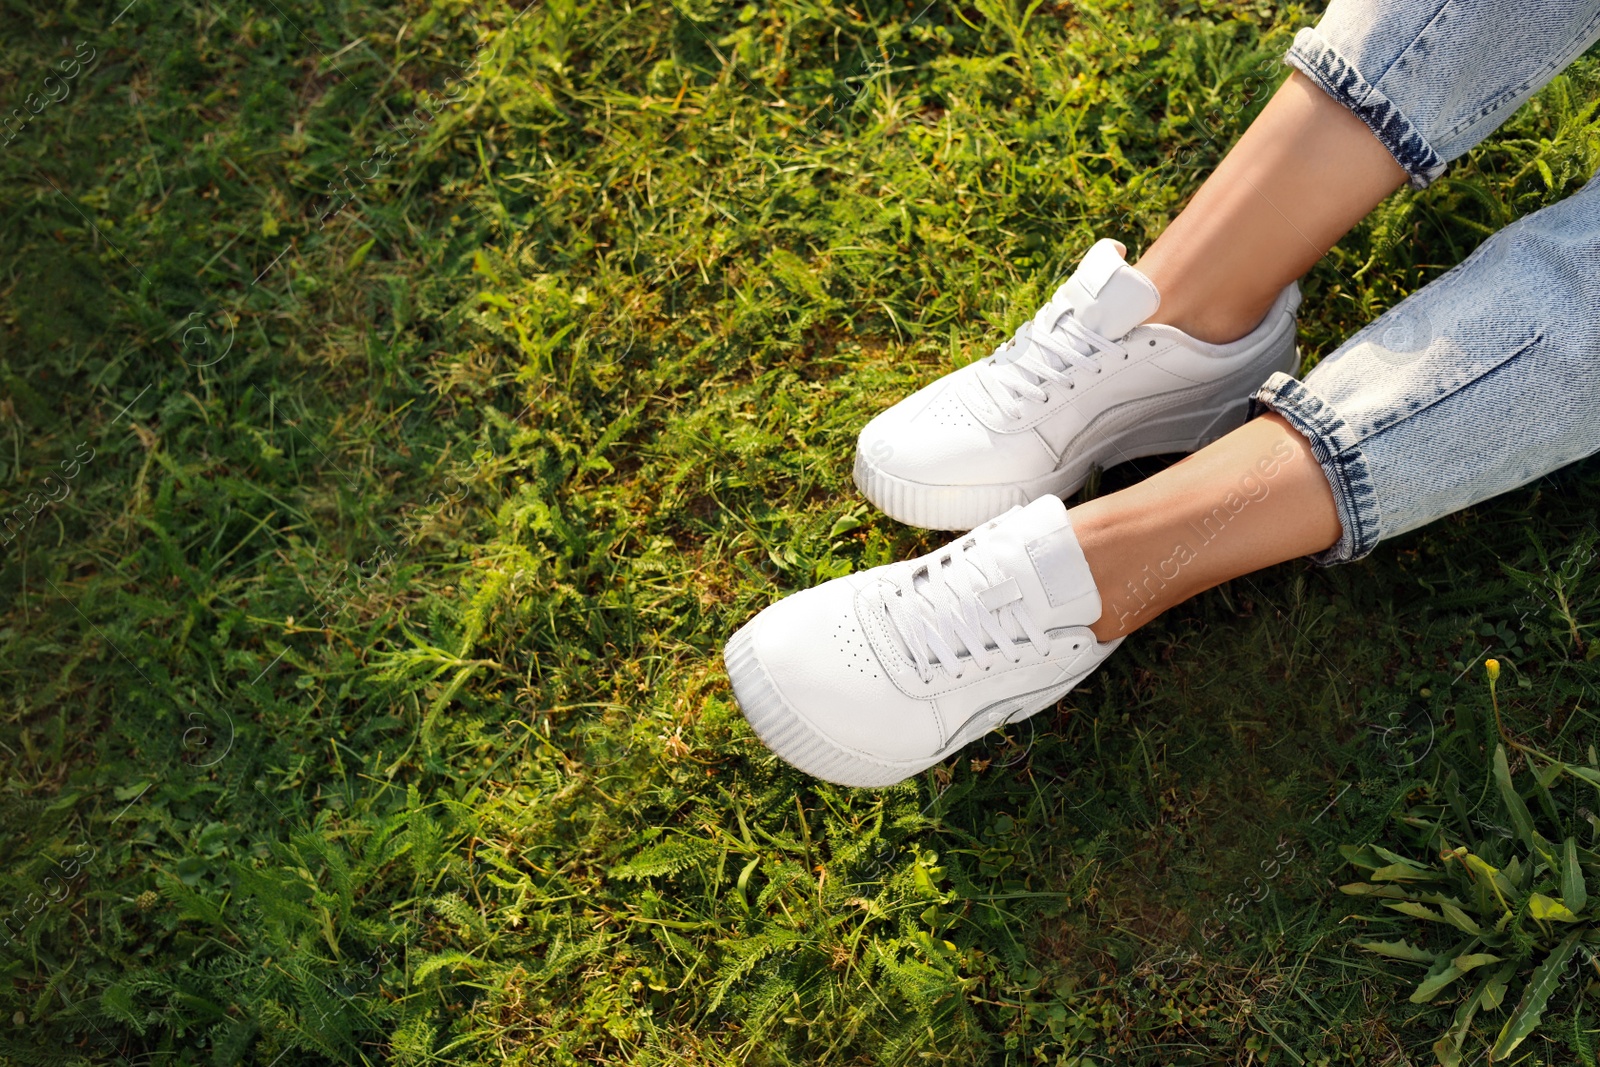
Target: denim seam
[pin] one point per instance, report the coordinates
(1412, 412)
(1398, 56)
(1313, 56)
(1344, 465)
(1575, 47)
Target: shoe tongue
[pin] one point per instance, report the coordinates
(1035, 552)
(1037, 547)
(1107, 295)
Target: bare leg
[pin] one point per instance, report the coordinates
(1303, 173)
(1254, 498)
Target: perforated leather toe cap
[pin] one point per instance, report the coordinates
(838, 684)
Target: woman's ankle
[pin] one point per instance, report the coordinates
(1253, 498)
(1118, 543)
(1206, 302)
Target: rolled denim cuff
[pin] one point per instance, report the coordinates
(1336, 449)
(1313, 56)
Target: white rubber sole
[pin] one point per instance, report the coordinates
(963, 507)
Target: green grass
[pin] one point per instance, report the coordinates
(362, 694)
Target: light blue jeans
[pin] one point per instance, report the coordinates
(1488, 377)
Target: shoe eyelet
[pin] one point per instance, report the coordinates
(1152, 343)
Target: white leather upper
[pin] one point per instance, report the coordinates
(810, 646)
(837, 658)
(934, 436)
(958, 432)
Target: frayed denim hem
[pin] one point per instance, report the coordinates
(1318, 60)
(1334, 446)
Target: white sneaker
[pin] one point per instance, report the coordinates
(1080, 385)
(866, 680)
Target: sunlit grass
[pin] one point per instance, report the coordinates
(363, 696)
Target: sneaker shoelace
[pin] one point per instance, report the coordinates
(1054, 345)
(939, 615)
